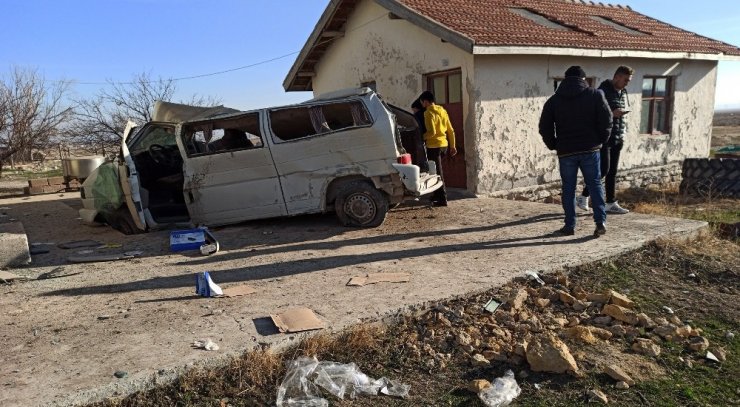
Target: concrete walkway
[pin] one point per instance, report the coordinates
(65, 337)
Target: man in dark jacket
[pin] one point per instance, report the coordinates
(616, 95)
(576, 122)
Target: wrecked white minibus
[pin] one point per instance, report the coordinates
(214, 166)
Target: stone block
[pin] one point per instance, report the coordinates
(13, 245)
(50, 189)
(35, 190)
(56, 180)
(38, 182)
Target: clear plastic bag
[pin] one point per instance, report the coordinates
(305, 375)
(296, 389)
(502, 391)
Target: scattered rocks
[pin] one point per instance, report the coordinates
(622, 386)
(463, 339)
(120, 374)
(542, 302)
(601, 298)
(581, 305)
(547, 353)
(518, 298)
(581, 333)
(684, 331)
(666, 331)
(573, 321)
(600, 333)
(645, 321)
(617, 330)
(603, 320)
(598, 396)
(103, 317)
(616, 373)
(480, 360)
(620, 313)
(566, 298)
(560, 321)
(621, 300)
(646, 347)
(699, 344)
(477, 385)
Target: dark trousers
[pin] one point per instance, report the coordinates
(609, 164)
(436, 154)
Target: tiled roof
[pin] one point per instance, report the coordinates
(492, 23)
(469, 24)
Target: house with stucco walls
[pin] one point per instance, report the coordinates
(493, 63)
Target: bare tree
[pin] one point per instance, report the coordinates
(102, 118)
(33, 113)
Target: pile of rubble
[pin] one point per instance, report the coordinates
(536, 319)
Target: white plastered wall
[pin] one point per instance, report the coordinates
(395, 54)
(511, 90)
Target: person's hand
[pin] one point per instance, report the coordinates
(618, 112)
(452, 151)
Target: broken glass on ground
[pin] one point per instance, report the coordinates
(492, 305)
(307, 376)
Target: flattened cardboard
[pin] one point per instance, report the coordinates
(297, 320)
(380, 278)
(238, 291)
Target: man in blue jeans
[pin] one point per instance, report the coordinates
(576, 122)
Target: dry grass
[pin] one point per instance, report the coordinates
(669, 202)
(252, 379)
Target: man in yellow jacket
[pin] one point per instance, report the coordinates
(439, 139)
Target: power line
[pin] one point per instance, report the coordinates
(263, 62)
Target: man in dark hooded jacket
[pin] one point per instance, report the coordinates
(576, 122)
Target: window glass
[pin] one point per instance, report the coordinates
(660, 87)
(455, 85)
(647, 87)
(440, 89)
(645, 117)
(299, 122)
(660, 116)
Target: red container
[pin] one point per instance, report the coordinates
(404, 159)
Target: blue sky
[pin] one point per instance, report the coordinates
(96, 40)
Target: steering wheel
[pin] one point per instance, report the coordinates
(160, 155)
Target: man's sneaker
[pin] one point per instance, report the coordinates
(582, 203)
(600, 230)
(566, 231)
(615, 208)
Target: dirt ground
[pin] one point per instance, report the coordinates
(70, 333)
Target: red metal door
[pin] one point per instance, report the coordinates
(447, 89)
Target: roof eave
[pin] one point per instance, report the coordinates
(599, 53)
(312, 40)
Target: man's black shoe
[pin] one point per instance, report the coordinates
(439, 203)
(567, 231)
(600, 230)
